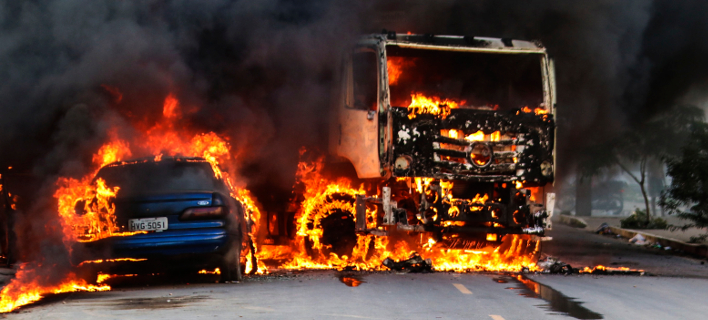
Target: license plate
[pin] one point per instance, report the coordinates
(148, 224)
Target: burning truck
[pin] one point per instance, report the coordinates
(451, 138)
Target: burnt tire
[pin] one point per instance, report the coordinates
(231, 269)
(337, 225)
(339, 233)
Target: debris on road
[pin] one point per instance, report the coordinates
(638, 239)
(604, 229)
(555, 266)
(552, 265)
(415, 263)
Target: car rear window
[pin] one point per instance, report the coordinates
(163, 176)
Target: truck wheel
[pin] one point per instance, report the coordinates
(335, 217)
(339, 232)
(231, 264)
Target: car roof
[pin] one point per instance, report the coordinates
(155, 160)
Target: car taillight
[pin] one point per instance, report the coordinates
(202, 213)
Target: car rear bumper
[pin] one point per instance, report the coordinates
(156, 245)
(175, 242)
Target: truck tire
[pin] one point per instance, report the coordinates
(339, 232)
(337, 225)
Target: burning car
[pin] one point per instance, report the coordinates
(174, 212)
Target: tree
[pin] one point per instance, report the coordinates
(633, 150)
(687, 195)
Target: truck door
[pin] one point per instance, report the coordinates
(358, 113)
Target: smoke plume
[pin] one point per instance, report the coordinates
(261, 72)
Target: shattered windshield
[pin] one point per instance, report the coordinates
(163, 176)
(475, 80)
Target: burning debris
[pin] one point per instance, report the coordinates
(413, 264)
(555, 266)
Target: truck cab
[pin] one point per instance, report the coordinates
(457, 132)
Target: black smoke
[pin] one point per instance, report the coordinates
(261, 72)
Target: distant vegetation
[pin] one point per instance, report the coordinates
(657, 139)
(687, 196)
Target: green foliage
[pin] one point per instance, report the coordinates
(698, 239)
(655, 139)
(687, 196)
(638, 220)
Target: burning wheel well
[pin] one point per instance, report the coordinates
(330, 226)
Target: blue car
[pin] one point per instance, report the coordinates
(190, 219)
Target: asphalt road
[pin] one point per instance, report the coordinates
(677, 293)
(322, 295)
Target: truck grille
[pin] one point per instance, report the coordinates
(453, 152)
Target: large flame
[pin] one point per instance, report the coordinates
(323, 196)
(95, 199)
(395, 67)
(98, 220)
(28, 286)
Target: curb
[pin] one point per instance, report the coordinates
(573, 221)
(700, 250)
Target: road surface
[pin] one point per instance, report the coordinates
(388, 295)
(678, 292)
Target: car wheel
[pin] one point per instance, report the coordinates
(231, 265)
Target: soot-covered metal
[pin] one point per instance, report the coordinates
(434, 155)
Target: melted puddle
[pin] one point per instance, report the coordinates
(500, 280)
(350, 279)
(557, 302)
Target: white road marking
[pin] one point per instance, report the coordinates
(462, 288)
(496, 317)
(257, 308)
(350, 316)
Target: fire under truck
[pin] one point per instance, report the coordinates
(451, 135)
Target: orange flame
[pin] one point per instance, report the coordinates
(98, 221)
(169, 108)
(477, 136)
(420, 104)
(111, 260)
(111, 152)
(95, 198)
(216, 271)
(323, 196)
(28, 287)
(102, 277)
(537, 111)
(395, 66)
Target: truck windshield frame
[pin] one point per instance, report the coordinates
(471, 79)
